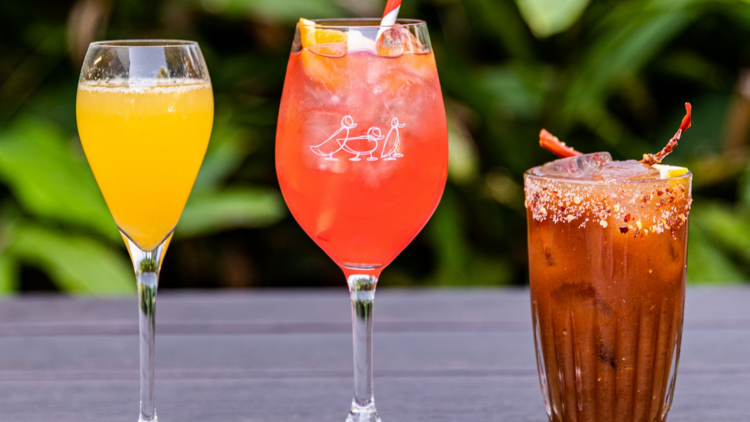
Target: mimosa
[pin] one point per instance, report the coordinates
(145, 146)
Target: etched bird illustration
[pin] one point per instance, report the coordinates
(392, 141)
(354, 146)
(332, 145)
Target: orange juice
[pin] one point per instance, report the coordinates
(145, 146)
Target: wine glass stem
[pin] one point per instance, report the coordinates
(362, 292)
(148, 283)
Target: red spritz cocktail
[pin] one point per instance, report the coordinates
(361, 150)
(362, 154)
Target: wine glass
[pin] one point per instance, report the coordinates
(362, 155)
(145, 111)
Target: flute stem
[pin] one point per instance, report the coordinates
(147, 266)
(148, 283)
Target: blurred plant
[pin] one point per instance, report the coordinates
(59, 202)
(549, 17)
(55, 219)
(602, 75)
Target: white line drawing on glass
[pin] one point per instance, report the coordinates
(334, 144)
(373, 135)
(327, 148)
(392, 145)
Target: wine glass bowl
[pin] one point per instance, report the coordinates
(361, 146)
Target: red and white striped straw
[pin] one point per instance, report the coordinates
(391, 12)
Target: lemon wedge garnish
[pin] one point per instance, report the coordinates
(668, 172)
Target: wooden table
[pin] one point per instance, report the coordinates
(277, 356)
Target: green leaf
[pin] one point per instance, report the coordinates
(549, 17)
(486, 271)
(75, 263)
(286, 10)
(463, 160)
(707, 264)
(744, 189)
(501, 18)
(457, 264)
(8, 273)
(718, 236)
(505, 189)
(446, 231)
(624, 46)
(39, 165)
(739, 12)
(231, 208)
(727, 228)
(228, 148)
(516, 90)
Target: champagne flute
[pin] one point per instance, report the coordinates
(362, 155)
(145, 112)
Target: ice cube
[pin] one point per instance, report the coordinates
(397, 40)
(627, 170)
(579, 167)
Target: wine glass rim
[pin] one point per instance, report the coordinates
(134, 43)
(344, 23)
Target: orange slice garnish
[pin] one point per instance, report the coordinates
(311, 34)
(320, 49)
(325, 70)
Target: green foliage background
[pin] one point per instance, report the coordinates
(602, 75)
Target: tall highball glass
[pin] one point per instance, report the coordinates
(145, 111)
(362, 155)
(607, 263)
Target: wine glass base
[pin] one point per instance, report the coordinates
(363, 414)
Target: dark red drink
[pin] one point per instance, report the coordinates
(607, 259)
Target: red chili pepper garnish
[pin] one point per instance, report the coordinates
(550, 142)
(656, 158)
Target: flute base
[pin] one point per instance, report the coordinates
(363, 414)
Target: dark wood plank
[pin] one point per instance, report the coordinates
(704, 305)
(393, 351)
(434, 399)
(286, 355)
(702, 349)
